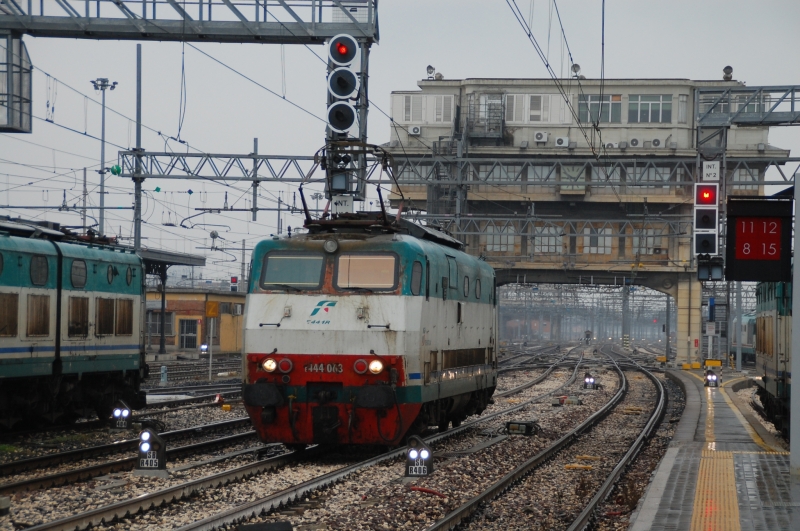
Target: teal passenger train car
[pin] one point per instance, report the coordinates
(773, 339)
(71, 337)
(364, 331)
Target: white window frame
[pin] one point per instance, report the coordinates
(515, 108)
(596, 241)
(443, 109)
(412, 108)
(500, 239)
(544, 109)
(652, 239)
(548, 240)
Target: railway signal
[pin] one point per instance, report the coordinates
(706, 219)
(419, 458)
(152, 455)
(121, 416)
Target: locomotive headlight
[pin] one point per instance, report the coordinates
(413, 454)
(330, 246)
(375, 366)
(360, 366)
(270, 365)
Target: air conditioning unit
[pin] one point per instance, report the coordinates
(414, 130)
(612, 145)
(562, 141)
(634, 142)
(540, 136)
(623, 145)
(237, 309)
(656, 142)
(658, 250)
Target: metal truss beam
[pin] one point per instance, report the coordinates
(242, 21)
(748, 106)
(228, 167)
(607, 172)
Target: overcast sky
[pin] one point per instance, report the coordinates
(691, 39)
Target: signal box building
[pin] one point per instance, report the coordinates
(517, 170)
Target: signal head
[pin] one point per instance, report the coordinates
(706, 194)
(342, 49)
(341, 117)
(343, 83)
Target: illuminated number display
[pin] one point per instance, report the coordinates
(758, 238)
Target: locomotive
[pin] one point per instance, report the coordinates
(365, 331)
(70, 326)
(748, 339)
(773, 338)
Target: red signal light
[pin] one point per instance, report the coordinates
(706, 194)
(341, 48)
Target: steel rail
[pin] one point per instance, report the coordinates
(245, 511)
(585, 517)
(23, 465)
(109, 467)
(558, 363)
(454, 518)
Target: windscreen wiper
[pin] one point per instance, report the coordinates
(366, 290)
(284, 286)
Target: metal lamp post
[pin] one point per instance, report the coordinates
(101, 84)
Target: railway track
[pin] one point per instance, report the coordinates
(120, 509)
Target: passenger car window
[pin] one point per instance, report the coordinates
(368, 271)
(39, 270)
(299, 270)
(416, 278)
(78, 274)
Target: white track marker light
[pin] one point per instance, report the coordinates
(152, 455)
(419, 458)
(121, 416)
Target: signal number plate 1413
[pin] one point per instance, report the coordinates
(324, 367)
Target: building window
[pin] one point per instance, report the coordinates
(647, 241)
(590, 108)
(78, 324)
(9, 305)
(547, 240)
(649, 109)
(596, 241)
(444, 109)
(647, 176)
(154, 323)
(39, 270)
(539, 108)
(225, 307)
(745, 175)
(683, 100)
(124, 323)
(515, 107)
(412, 108)
(500, 239)
(499, 172)
(38, 315)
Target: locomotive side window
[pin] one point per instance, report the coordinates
(39, 270)
(477, 288)
(368, 271)
(124, 325)
(105, 317)
(78, 274)
(301, 271)
(78, 324)
(453, 280)
(466, 286)
(9, 305)
(1, 263)
(38, 315)
(416, 278)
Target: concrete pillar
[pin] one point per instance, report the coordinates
(688, 324)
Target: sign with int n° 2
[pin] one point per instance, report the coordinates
(711, 170)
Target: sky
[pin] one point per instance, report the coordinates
(224, 112)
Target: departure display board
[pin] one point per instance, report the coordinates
(758, 246)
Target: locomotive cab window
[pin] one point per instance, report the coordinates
(78, 274)
(416, 278)
(366, 271)
(78, 324)
(39, 270)
(9, 306)
(292, 271)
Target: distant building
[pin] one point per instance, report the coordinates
(186, 325)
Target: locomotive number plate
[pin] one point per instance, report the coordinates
(324, 367)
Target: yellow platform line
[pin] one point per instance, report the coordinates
(715, 503)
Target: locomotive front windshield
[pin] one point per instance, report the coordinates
(296, 270)
(371, 271)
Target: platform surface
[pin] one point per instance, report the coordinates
(721, 472)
